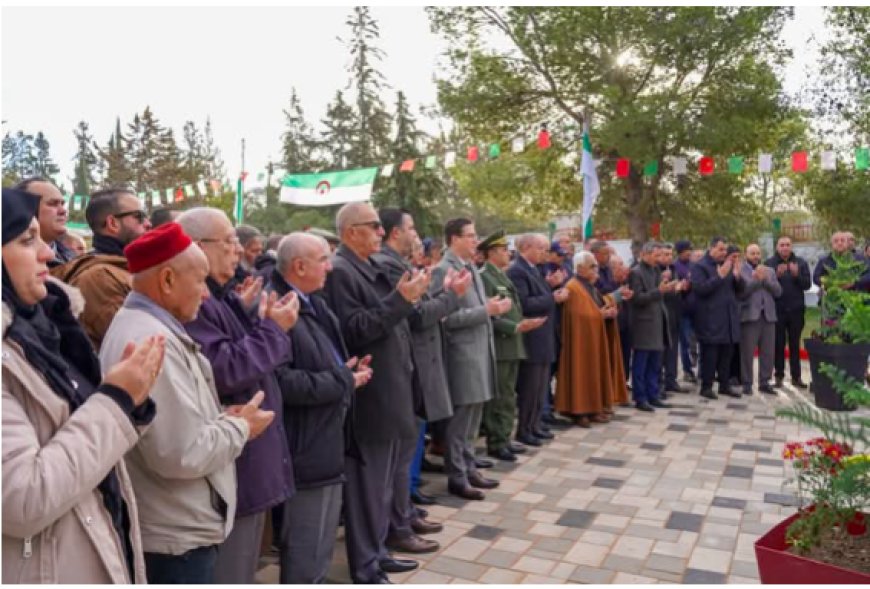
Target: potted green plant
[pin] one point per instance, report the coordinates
(843, 338)
(827, 540)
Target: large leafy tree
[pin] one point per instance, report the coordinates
(656, 80)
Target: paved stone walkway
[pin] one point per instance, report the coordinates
(677, 496)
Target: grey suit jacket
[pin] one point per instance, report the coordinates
(757, 301)
(649, 318)
(470, 356)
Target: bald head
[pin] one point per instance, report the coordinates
(200, 222)
(303, 261)
(360, 229)
(178, 284)
(839, 242)
(212, 231)
(533, 247)
(351, 213)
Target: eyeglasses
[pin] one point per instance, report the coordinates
(374, 225)
(230, 241)
(139, 214)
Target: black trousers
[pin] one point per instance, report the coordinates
(715, 361)
(531, 389)
(789, 326)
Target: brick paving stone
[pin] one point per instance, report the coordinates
(780, 499)
(591, 575)
(456, 568)
(555, 545)
(745, 568)
(577, 518)
(549, 530)
(607, 483)
(632, 546)
(742, 472)
(703, 577)
(509, 544)
(530, 564)
(654, 533)
(466, 548)
(669, 564)
(484, 532)
(629, 579)
(678, 427)
(586, 554)
(623, 564)
(769, 462)
(426, 577)
(605, 461)
(710, 559)
(501, 576)
(684, 521)
(752, 448)
(729, 502)
(498, 558)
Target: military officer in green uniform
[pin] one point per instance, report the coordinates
(500, 411)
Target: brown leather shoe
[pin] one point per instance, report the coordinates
(476, 480)
(466, 492)
(421, 526)
(412, 544)
(582, 421)
(600, 418)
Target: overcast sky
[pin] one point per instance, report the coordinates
(236, 65)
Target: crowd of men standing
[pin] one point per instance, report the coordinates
(169, 390)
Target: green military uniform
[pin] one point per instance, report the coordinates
(500, 411)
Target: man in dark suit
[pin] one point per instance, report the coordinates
(430, 377)
(649, 327)
(793, 274)
(538, 299)
(373, 316)
(716, 282)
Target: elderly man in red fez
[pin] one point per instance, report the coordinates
(182, 469)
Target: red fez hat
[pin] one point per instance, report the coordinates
(155, 247)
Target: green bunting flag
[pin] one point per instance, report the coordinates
(430, 161)
(188, 191)
(862, 158)
(155, 198)
(260, 177)
(494, 150)
(735, 165)
(651, 169)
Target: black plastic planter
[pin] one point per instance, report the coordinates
(849, 357)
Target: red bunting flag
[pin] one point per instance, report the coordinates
(407, 166)
(244, 176)
(623, 166)
(706, 166)
(179, 194)
(544, 139)
(473, 153)
(799, 161)
(215, 186)
(655, 230)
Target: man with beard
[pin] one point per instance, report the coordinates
(793, 274)
(116, 217)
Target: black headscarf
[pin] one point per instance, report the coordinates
(56, 346)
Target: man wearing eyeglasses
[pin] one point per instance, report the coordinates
(116, 218)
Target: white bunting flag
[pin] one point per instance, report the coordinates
(77, 202)
(449, 159)
(387, 171)
(200, 186)
(679, 164)
(155, 198)
(170, 194)
(518, 145)
(141, 196)
(765, 163)
(829, 160)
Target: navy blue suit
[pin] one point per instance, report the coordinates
(717, 319)
(536, 299)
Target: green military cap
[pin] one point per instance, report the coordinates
(494, 240)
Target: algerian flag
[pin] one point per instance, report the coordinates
(591, 188)
(328, 188)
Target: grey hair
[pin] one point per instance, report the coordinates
(526, 240)
(246, 233)
(198, 222)
(296, 245)
(598, 245)
(348, 214)
(650, 246)
(584, 258)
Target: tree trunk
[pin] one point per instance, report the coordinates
(636, 211)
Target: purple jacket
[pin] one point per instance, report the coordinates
(244, 352)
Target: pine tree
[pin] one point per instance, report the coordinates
(143, 147)
(19, 157)
(43, 164)
(193, 165)
(213, 164)
(298, 144)
(85, 160)
(114, 166)
(168, 161)
(372, 129)
(338, 139)
(414, 191)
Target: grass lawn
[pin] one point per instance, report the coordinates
(811, 322)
